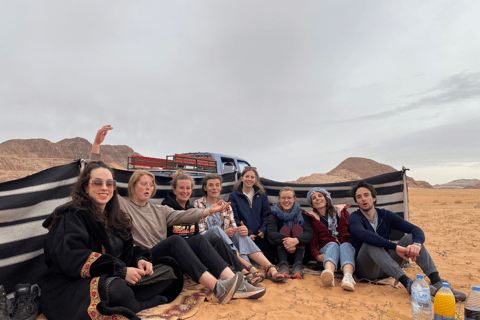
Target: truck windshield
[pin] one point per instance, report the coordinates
(242, 165)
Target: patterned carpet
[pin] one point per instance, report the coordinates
(185, 306)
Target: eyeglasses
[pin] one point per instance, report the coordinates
(98, 183)
(145, 184)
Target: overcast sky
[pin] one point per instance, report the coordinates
(294, 87)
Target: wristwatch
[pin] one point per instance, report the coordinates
(418, 244)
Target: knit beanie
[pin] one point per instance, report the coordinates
(317, 189)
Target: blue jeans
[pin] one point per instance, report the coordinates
(243, 244)
(344, 253)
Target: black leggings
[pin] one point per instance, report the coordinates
(195, 255)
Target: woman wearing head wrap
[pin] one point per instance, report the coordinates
(331, 239)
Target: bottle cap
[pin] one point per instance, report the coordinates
(446, 284)
(419, 276)
(476, 288)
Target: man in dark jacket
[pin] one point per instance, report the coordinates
(377, 257)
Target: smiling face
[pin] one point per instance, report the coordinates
(183, 191)
(213, 188)
(101, 194)
(249, 179)
(287, 199)
(364, 199)
(319, 202)
(143, 189)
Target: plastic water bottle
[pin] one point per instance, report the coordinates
(421, 303)
(444, 305)
(472, 305)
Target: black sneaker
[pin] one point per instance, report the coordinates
(459, 295)
(26, 305)
(409, 286)
(5, 305)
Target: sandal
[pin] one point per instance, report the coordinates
(277, 276)
(253, 278)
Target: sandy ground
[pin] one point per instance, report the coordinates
(449, 220)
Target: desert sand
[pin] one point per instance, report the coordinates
(449, 220)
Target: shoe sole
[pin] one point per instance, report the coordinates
(348, 287)
(236, 285)
(249, 295)
(327, 279)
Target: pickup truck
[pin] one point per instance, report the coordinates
(195, 163)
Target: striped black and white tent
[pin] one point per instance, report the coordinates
(26, 202)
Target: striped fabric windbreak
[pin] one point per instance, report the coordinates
(26, 202)
(24, 205)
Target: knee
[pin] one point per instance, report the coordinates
(177, 241)
(333, 246)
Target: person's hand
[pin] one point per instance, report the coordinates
(413, 251)
(290, 244)
(402, 252)
(260, 234)
(101, 134)
(134, 275)
(252, 236)
(231, 231)
(320, 257)
(145, 266)
(242, 230)
(218, 207)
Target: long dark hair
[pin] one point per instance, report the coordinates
(111, 217)
(330, 209)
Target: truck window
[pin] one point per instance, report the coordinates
(242, 165)
(228, 164)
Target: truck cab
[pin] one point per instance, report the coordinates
(225, 163)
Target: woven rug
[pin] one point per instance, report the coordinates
(185, 306)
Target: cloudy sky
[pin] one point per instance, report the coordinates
(294, 87)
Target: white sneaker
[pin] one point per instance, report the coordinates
(327, 278)
(348, 283)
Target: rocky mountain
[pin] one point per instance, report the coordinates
(22, 157)
(475, 186)
(457, 184)
(355, 168)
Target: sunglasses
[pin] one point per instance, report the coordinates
(98, 183)
(249, 168)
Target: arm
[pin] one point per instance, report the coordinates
(365, 235)
(272, 229)
(202, 224)
(401, 224)
(314, 246)
(266, 212)
(234, 205)
(99, 138)
(68, 247)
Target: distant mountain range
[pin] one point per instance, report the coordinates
(23, 157)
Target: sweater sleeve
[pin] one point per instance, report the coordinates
(365, 235)
(314, 244)
(181, 216)
(272, 229)
(401, 224)
(202, 224)
(68, 249)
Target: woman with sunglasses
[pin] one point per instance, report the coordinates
(291, 230)
(251, 209)
(195, 255)
(94, 270)
(223, 225)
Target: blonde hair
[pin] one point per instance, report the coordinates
(181, 175)
(134, 179)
